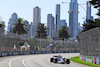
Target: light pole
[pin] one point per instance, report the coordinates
(78, 4)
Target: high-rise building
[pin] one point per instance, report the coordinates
(57, 17)
(36, 19)
(73, 18)
(80, 28)
(28, 26)
(50, 25)
(12, 21)
(63, 23)
(88, 14)
(36, 16)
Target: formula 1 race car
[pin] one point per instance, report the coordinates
(56, 59)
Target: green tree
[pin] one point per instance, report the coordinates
(2, 29)
(63, 33)
(41, 31)
(96, 4)
(2, 26)
(19, 27)
(91, 24)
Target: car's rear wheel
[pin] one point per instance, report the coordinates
(51, 59)
(55, 60)
(67, 61)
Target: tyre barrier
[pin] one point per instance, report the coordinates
(12, 53)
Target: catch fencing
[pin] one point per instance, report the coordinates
(89, 42)
(12, 42)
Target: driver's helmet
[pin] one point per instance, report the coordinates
(60, 56)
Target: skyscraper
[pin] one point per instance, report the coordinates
(28, 26)
(36, 19)
(12, 21)
(88, 14)
(73, 18)
(50, 25)
(36, 16)
(63, 23)
(57, 17)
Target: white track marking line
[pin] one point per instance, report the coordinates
(23, 62)
(11, 61)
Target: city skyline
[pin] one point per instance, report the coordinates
(7, 10)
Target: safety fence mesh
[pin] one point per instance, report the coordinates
(89, 42)
(13, 42)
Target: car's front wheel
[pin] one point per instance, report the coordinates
(51, 59)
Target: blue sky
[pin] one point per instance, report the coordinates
(24, 9)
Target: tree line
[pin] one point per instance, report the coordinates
(20, 28)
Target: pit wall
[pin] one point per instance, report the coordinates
(12, 53)
(90, 59)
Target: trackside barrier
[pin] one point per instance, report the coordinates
(4, 53)
(90, 59)
(27, 52)
(0, 54)
(43, 52)
(38, 52)
(16, 53)
(32, 52)
(77, 51)
(21, 52)
(49, 52)
(54, 51)
(12, 53)
(60, 51)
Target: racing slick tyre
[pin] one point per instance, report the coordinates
(67, 61)
(63, 63)
(55, 60)
(51, 59)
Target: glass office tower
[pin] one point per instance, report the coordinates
(88, 15)
(73, 18)
(57, 17)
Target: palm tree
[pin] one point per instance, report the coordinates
(63, 33)
(19, 27)
(2, 26)
(41, 31)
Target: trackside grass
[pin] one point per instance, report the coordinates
(77, 60)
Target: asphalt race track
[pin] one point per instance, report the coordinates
(36, 60)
